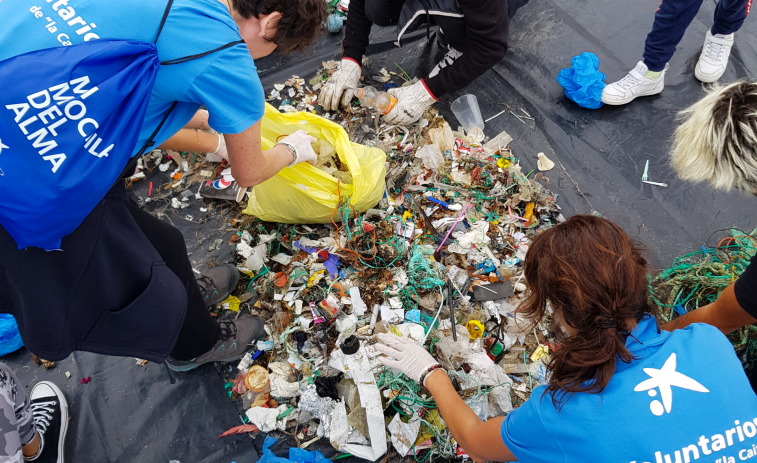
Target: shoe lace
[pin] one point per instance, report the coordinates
(713, 50)
(228, 329)
(205, 282)
(42, 413)
(628, 80)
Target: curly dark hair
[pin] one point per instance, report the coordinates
(594, 277)
(301, 20)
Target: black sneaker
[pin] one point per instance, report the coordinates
(50, 412)
(217, 283)
(236, 337)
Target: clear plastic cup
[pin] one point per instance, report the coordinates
(468, 113)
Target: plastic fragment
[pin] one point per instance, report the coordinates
(544, 163)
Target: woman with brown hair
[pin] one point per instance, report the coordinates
(614, 378)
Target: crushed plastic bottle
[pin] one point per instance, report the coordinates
(370, 97)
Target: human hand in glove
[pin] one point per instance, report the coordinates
(341, 85)
(405, 355)
(412, 102)
(300, 144)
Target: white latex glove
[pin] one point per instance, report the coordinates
(302, 144)
(221, 151)
(412, 102)
(404, 355)
(341, 85)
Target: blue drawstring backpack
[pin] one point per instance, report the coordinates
(70, 118)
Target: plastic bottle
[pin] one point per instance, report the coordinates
(382, 101)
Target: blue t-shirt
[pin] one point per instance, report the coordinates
(685, 398)
(226, 81)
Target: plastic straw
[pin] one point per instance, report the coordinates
(462, 214)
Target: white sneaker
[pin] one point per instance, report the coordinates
(451, 56)
(714, 58)
(634, 84)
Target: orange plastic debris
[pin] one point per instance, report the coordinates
(280, 279)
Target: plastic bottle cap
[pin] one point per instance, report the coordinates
(350, 345)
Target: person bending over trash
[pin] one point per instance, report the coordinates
(121, 283)
(620, 389)
(474, 31)
(716, 143)
(670, 23)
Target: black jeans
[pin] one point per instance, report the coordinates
(200, 332)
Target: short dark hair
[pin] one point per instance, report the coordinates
(301, 20)
(593, 275)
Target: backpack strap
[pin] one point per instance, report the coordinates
(184, 59)
(163, 21)
(199, 55)
(132, 164)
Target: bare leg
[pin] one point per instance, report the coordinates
(31, 449)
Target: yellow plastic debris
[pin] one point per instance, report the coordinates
(503, 163)
(475, 329)
(541, 353)
(233, 303)
(315, 278)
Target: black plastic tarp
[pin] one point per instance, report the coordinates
(600, 154)
(129, 413)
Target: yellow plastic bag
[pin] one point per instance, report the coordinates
(305, 194)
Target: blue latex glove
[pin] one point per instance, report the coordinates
(10, 338)
(583, 83)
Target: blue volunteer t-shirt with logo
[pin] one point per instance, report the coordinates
(684, 399)
(226, 81)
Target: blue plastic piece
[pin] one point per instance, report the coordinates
(308, 249)
(680, 310)
(10, 338)
(439, 202)
(299, 455)
(332, 264)
(487, 266)
(296, 455)
(413, 316)
(268, 456)
(583, 83)
(334, 23)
